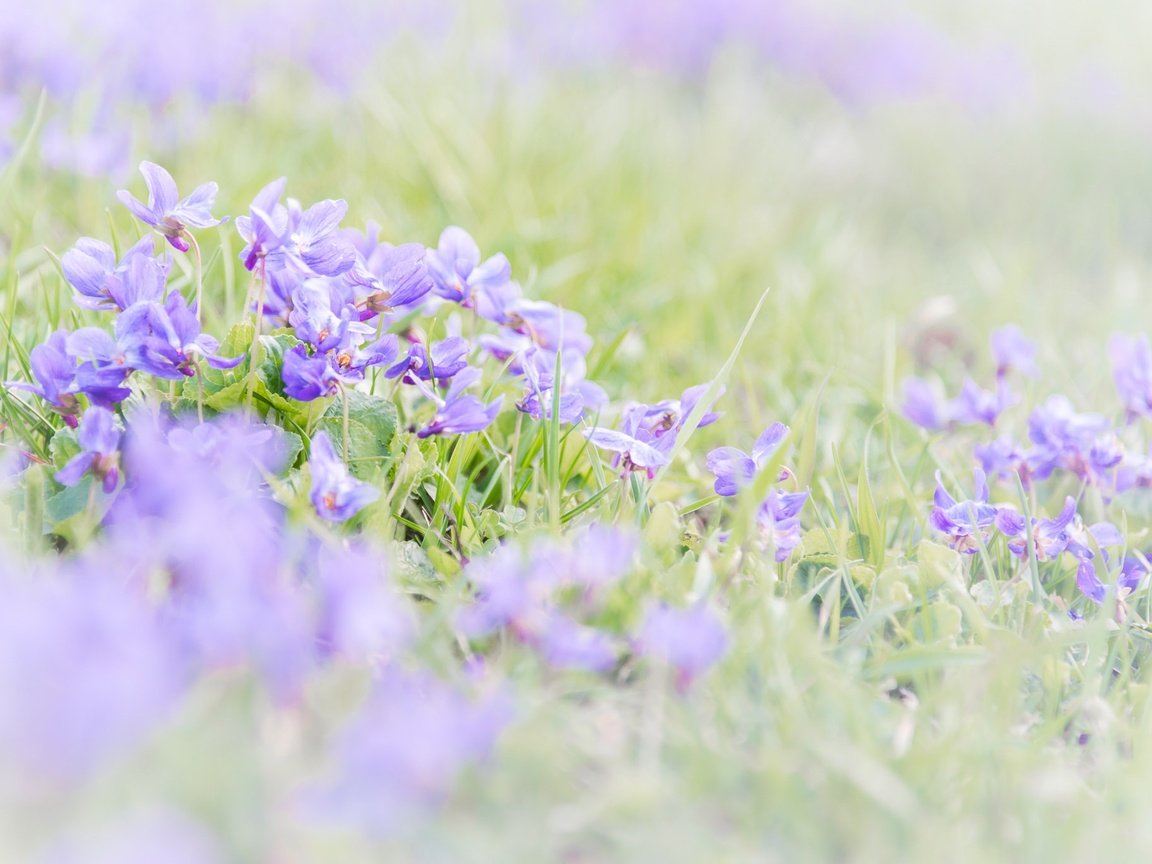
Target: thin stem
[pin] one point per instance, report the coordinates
(252, 359)
(199, 275)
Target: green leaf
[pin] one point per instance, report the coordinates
(68, 502)
(372, 424)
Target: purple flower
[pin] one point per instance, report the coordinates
(165, 341)
(565, 644)
(314, 242)
(55, 374)
(461, 413)
(336, 494)
(362, 617)
(99, 451)
(1064, 438)
(510, 592)
(315, 320)
(456, 269)
(265, 228)
(1132, 571)
(396, 277)
(103, 366)
(734, 468)
(976, 405)
(85, 674)
(635, 454)
(308, 377)
(925, 405)
(403, 750)
(966, 523)
(90, 267)
(1051, 537)
(165, 212)
(448, 357)
(779, 520)
(688, 640)
(1132, 372)
(1013, 352)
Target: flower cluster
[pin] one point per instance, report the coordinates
(778, 516)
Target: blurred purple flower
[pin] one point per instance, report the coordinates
(402, 752)
(1014, 352)
(336, 494)
(1132, 371)
(689, 640)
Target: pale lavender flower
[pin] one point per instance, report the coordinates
(689, 640)
(165, 211)
(778, 518)
(734, 468)
(265, 229)
(1132, 371)
(1013, 352)
(403, 750)
(456, 268)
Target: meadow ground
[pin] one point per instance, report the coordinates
(895, 677)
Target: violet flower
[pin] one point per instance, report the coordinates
(1132, 371)
(166, 341)
(264, 230)
(99, 451)
(314, 242)
(90, 267)
(308, 377)
(1013, 352)
(165, 211)
(448, 357)
(635, 455)
(456, 269)
(1130, 574)
(461, 413)
(688, 640)
(778, 518)
(336, 494)
(55, 373)
(734, 468)
(967, 524)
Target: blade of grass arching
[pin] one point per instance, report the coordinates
(587, 504)
(710, 394)
(699, 504)
(608, 354)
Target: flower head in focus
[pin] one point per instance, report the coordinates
(166, 211)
